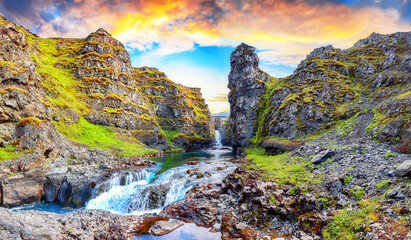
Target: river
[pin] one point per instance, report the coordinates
(137, 191)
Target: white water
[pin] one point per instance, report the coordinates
(145, 191)
(218, 138)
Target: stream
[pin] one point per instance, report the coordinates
(142, 190)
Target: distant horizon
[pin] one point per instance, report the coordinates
(191, 41)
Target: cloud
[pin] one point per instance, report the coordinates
(219, 98)
(283, 31)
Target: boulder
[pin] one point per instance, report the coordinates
(161, 228)
(322, 156)
(404, 169)
(274, 147)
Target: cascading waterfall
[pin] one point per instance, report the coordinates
(149, 190)
(218, 138)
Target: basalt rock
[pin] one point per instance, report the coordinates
(404, 169)
(329, 86)
(53, 89)
(85, 224)
(246, 83)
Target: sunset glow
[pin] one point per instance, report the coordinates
(177, 36)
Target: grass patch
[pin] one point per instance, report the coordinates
(383, 184)
(390, 154)
(346, 224)
(9, 152)
(97, 136)
(170, 135)
(282, 168)
(345, 127)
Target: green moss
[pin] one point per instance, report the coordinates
(324, 201)
(359, 193)
(383, 184)
(174, 150)
(264, 110)
(97, 136)
(60, 83)
(345, 127)
(390, 154)
(29, 120)
(347, 179)
(345, 225)
(114, 96)
(282, 168)
(9, 152)
(170, 135)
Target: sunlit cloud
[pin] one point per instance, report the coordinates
(283, 31)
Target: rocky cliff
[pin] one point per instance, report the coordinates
(329, 87)
(76, 107)
(247, 84)
(327, 148)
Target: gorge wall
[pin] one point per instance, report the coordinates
(76, 107)
(329, 87)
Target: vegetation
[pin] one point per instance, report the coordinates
(282, 168)
(347, 179)
(345, 127)
(97, 136)
(9, 152)
(390, 154)
(170, 135)
(383, 184)
(29, 120)
(346, 224)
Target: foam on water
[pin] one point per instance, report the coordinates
(149, 190)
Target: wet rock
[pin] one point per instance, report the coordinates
(65, 192)
(404, 169)
(164, 227)
(199, 206)
(51, 190)
(322, 156)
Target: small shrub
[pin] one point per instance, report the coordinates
(324, 201)
(347, 179)
(383, 184)
(390, 154)
(360, 193)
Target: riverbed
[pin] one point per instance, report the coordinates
(142, 190)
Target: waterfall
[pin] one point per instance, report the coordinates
(149, 190)
(218, 138)
(139, 192)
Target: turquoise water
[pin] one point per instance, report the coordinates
(149, 189)
(131, 197)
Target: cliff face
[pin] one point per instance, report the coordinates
(328, 88)
(68, 106)
(246, 83)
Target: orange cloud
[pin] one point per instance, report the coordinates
(286, 30)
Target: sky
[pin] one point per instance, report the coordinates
(191, 40)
